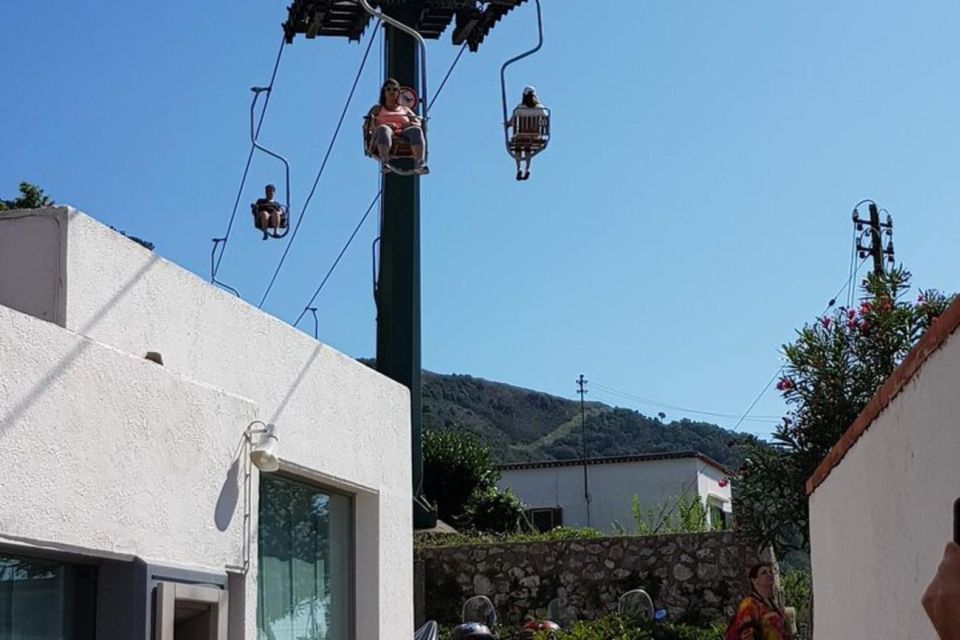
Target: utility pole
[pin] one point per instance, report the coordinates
(582, 390)
(874, 230)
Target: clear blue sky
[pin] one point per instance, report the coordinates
(691, 211)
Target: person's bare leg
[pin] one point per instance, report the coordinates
(417, 148)
(383, 139)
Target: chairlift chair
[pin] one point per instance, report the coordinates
(529, 129)
(400, 149)
(527, 132)
(282, 226)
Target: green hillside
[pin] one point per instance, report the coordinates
(521, 424)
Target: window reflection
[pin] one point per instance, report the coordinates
(304, 582)
(45, 600)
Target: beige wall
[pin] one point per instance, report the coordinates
(880, 520)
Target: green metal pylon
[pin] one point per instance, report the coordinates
(398, 283)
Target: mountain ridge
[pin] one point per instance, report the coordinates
(524, 425)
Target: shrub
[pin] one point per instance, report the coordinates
(798, 593)
(496, 511)
(455, 467)
(621, 628)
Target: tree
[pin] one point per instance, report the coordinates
(31, 197)
(460, 476)
(833, 368)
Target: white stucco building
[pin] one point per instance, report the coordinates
(881, 501)
(128, 506)
(555, 491)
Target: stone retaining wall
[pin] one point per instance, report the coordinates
(696, 577)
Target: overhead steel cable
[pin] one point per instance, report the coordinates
(246, 170)
(339, 256)
(445, 77)
(366, 214)
(323, 165)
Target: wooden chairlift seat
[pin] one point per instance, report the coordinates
(530, 129)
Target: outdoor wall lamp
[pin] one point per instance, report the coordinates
(264, 453)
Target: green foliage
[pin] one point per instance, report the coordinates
(833, 368)
(684, 513)
(472, 538)
(494, 510)
(798, 593)
(456, 465)
(31, 197)
(619, 628)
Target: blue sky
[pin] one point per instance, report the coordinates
(691, 211)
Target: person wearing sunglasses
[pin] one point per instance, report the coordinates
(388, 119)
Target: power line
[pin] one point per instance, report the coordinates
(246, 169)
(830, 303)
(757, 399)
(663, 405)
(323, 166)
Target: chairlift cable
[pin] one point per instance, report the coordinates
(216, 264)
(444, 81)
(323, 166)
(339, 256)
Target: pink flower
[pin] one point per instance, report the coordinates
(825, 321)
(865, 308)
(851, 314)
(864, 327)
(723, 482)
(852, 324)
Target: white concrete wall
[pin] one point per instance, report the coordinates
(111, 455)
(880, 520)
(714, 486)
(340, 423)
(612, 487)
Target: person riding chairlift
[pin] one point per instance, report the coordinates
(389, 118)
(268, 213)
(523, 139)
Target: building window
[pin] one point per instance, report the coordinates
(46, 599)
(719, 519)
(305, 582)
(546, 519)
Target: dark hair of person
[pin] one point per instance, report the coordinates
(530, 100)
(755, 569)
(383, 94)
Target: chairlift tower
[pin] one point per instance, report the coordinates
(397, 290)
